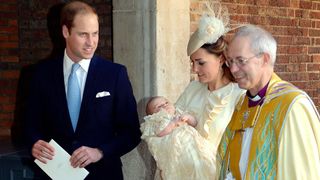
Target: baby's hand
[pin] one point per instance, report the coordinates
(167, 130)
(187, 118)
(184, 118)
(180, 120)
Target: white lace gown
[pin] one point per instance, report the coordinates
(182, 154)
(189, 153)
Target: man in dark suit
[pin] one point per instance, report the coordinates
(104, 125)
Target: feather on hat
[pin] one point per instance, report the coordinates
(213, 24)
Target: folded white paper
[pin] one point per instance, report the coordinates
(59, 168)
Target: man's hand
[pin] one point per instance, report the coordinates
(84, 156)
(42, 151)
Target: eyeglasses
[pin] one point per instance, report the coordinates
(240, 61)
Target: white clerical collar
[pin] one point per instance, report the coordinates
(255, 98)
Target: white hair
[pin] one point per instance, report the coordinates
(261, 41)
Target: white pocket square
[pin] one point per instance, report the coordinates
(102, 94)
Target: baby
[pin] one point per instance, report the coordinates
(157, 103)
(178, 149)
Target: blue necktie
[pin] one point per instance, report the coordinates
(74, 96)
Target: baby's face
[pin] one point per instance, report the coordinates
(161, 103)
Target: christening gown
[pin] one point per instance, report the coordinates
(182, 154)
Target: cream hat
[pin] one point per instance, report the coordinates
(213, 24)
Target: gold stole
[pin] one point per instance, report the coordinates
(277, 101)
(248, 117)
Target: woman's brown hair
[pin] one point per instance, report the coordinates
(218, 48)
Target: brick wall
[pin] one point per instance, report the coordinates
(296, 26)
(9, 59)
(25, 40)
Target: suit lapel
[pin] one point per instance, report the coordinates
(88, 93)
(61, 93)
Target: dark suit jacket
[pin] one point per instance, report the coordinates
(109, 123)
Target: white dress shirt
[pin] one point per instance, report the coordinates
(81, 72)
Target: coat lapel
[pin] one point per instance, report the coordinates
(88, 93)
(58, 84)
